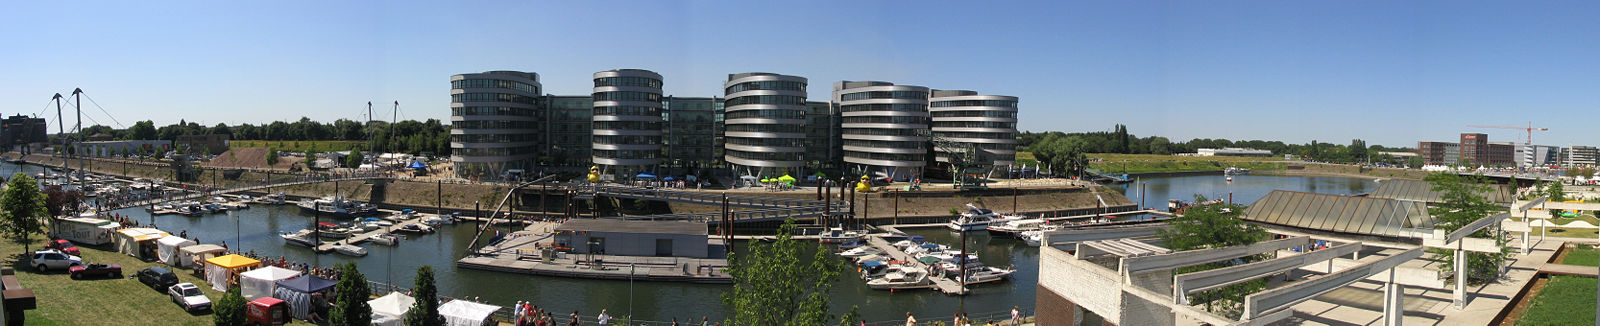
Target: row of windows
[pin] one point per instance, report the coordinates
(627, 110)
(493, 110)
(978, 135)
(692, 105)
(627, 96)
(767, 85)
(760, 156)
(974, 124)
(494, 83)
(767, 142)
(884, 107)
(624, 154)
(886, 119)
(766, 114)
(766, 99)
(493, 97)
(781, 128)
(885, 157)
(992, 103)
(508, 151)
(884, 94)
(974, 114)
(626, 125)
(495, 124)
(627, 81)
(884, 144)
(627, 140)
(571, 103)
(880, 131)
(495, 138)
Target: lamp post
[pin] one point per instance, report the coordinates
(630, 292)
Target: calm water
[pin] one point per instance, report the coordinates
(257, 229)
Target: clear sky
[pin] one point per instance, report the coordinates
(1390, 72)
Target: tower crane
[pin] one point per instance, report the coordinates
(1529, 129)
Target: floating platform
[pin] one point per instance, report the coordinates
(521, 253)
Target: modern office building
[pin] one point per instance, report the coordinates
(627, 121)
(1499, 154)
(689, 135)
(765, 115)
(1439, 153)
(1472, 145)
(494, 122)
(1581, 155)
(882, 125)
(568, 130)
(822, 137)
(987, 122)
(1537, 155)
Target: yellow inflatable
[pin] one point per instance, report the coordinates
(594, 174)
(865, 185)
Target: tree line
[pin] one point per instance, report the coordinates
(1065, 150)
(408, 136)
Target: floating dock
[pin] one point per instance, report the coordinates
(944, 285)
(521, 253)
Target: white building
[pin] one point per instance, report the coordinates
(1232, 151)
(1537, 155)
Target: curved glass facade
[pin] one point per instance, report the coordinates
(880, 126)
(494, 124)
(988, 122)
(765, 123)
(626, 121)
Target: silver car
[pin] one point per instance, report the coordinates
(46, 260)
(189, 297)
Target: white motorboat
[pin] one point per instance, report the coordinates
(901, 278)
(438, 220)
(986, 274)
(302, 238)
(338, 233)
(386, 239)
(975, 219)
(859, 252)
(1032, 238)
(840, 235)
(350, 250)
(1014, 227)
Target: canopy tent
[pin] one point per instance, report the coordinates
(221, 270)
(191, 256)
(167, 249)
(297, 292)
(645, 176)
(668, 179)
(466, 313)
(417, 165)
(393, 305)
(786, 179)
(137, 242)
(260, 283)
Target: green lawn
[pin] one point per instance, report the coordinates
(1148, 163)
(1582, 255)
(1565, 300)
(299, 146)
(63, 301)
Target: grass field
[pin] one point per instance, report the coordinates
(1582, 255)
(1149, 163)
(299, 146)
(1565, 300)
(63, 301)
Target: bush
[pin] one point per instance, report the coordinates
(229, 310)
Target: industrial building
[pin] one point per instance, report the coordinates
(19, 131)
(1232, 151)
(1474, 149)
(637, 238)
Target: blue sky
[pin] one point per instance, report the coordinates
(1390, 72)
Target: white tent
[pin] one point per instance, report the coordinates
(167, 249)
(259, 283)
(390, 309)
(191, 256)
(466, 313)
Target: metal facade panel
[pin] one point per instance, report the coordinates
(1353, 214)
(1283, 210)
(1370, 214)
(1326, 213)
(1303, 204)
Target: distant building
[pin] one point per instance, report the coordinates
(1537, 155)
(1581, 155)
(19, 130)
(1232, 151)
(1439, 153)
(1499, 154)
(118, 147)
(1472, 145)
(638, 238)
(201, 144)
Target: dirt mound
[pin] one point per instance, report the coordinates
(247, 157)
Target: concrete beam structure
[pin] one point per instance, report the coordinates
(1267, 302)
(1415, 273)
(1183, 284)
(1133, 265)
(1102, 233)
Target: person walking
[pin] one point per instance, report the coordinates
(910, 320)
(603, 318)
(1016, 316)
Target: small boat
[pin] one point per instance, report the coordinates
(1013, 227)
(975, 219)
(301, 238)
(1032, 238)
(859, 252)
(274, 199)
(1234, 170)
(839, 235)
(901, 278)
(338, 233)
(438, 220)
(386, 239)
(414, 228)
(985, 275)
(350, 250)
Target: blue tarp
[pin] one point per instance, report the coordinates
(645, 176)
(918, 239)
(417, 165)
(873, 263)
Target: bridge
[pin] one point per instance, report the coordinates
(1114, 178)
(199, 195)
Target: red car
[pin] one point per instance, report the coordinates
(95, 270)
(64, 246)
(266, 311)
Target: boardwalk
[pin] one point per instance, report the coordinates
(199, 195)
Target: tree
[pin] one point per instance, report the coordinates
(773, 287)
(1465, 202)
(353, 160)
(425, 312)
(350, 308)
(229, 310)
(59, 202)
(24, 209)
(272, 156)
(1216, 226)
(142, 130)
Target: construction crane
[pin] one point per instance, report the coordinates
(1530, 129)
(968, 165)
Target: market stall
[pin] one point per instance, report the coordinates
(167, 249)
(224, 271)
(304, 294)
(260, 282)
(138, 242)
(193, 256)
(466, 313)
(390, 309)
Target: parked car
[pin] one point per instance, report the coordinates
(266, 311)
(189, 297)
(64, 246)
(157, 277)
(45, 260)
(95, 270)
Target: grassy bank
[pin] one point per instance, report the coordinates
(1582, 255)
(1148, 163)
(1564, 300)
(125, 301)
(299, 145)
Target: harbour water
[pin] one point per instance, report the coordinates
(257, 228)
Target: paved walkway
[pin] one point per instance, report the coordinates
(1361, 303)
